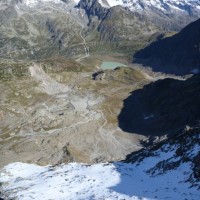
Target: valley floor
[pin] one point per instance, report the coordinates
(59, 117)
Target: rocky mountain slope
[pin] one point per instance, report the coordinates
(162, 107)
(33, 29)
(168, 170)
(117, 27)
(129, 25)
(168, 14)
(179, 54)
(60, 105)
(183, 148)
(38, 29)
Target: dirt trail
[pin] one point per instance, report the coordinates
(86, 48)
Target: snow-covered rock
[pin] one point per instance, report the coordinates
(163, 172)
(99, 181)
(164, 5)
(136, 5)
(31, 3)
(168, 15)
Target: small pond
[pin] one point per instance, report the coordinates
(111, 65)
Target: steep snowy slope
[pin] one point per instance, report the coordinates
(169, 170)
(35, 29)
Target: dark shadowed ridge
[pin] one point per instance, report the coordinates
(162, 107)
(179, 54)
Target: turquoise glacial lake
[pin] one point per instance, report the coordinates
(111, 65)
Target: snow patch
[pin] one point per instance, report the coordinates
(164, 5)
(31, 3)
(104, 3)
(99, 181)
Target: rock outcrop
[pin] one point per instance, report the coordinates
(178, 54)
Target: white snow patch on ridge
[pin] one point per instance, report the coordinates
(115, 2)
(35, 2)
(98, 181)
(160, 4)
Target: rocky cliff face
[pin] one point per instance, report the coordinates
(93, 8)
(168, 170)
(128, 25)
(162, 107)
(118, 27)
(179, 54)
(170, 15)
(178, 150)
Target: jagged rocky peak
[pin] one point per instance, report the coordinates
(164, 5)
(185, 57)
(93, 8)
(189, 7)
(181, 150)
(167, 170)
(135, 5)
(168, 15)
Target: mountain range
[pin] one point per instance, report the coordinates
(168, 170)
(60, 26)
(169, 14)
(179, 54)
(99, 99)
